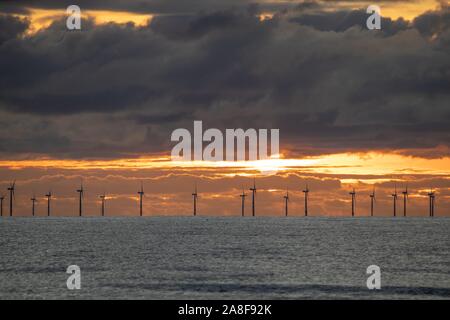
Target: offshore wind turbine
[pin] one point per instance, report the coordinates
(243, 195)
(195, 196)
(81, 192)
(48, 196)
(395, 195)
(405, 198)
(372, 200)
(103, 198)
(286, 200)
(33, 201)
(306, 191)
(12, 190)
(253, 190)
(2, 197)
(141, 196)
(432, 196)
(353, 194)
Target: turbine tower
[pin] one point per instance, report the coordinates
(431, 195)
(12, 190)
(81, 192)
(306, 191)
(48, 196)
(405, 198)
(33, 200)
(141, 196)
(195, 196)
(372, 200)
(395, 195)
(243, 195)
(2, 197)
(353, 194)
(253, 190)
(103, 198)
(286, 200)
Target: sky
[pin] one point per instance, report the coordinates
(356, 108)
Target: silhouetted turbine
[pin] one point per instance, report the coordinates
(81, 192)
(11, 190)
(286, 200)
(2, 197)
(372, 199)
(395, 195)
(431, 195)
(243, 195)
(33, 200)
(353, 194)
(195, 196)
(405, 197)
(48, 196)
(253, 190)
(306, 191)
(103, 198)
(141, 195)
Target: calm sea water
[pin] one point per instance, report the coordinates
(224, 258)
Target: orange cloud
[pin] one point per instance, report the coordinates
(43, 18)
(369, 163)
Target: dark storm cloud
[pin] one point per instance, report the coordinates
(159, 118)
(431, 23)
(342, 20)
(172, 6)
(144, 6)
(324, 80)
(11, 27)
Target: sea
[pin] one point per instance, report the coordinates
(224, 257)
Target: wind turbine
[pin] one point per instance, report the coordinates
(103, 198)
(48, 196)
(253, 190)
(431, 194)
(141, 195)
(405, 197)
(372, 200)
(286, 200)
(243, 195)
(2, 197)
(81, 192)
(353, 194)
(306, 191)
(33, 200)
(395, 195)
(11, 189)
(195, 196)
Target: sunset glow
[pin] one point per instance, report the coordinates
(355, 108)
(41, 19)
(357, 164)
